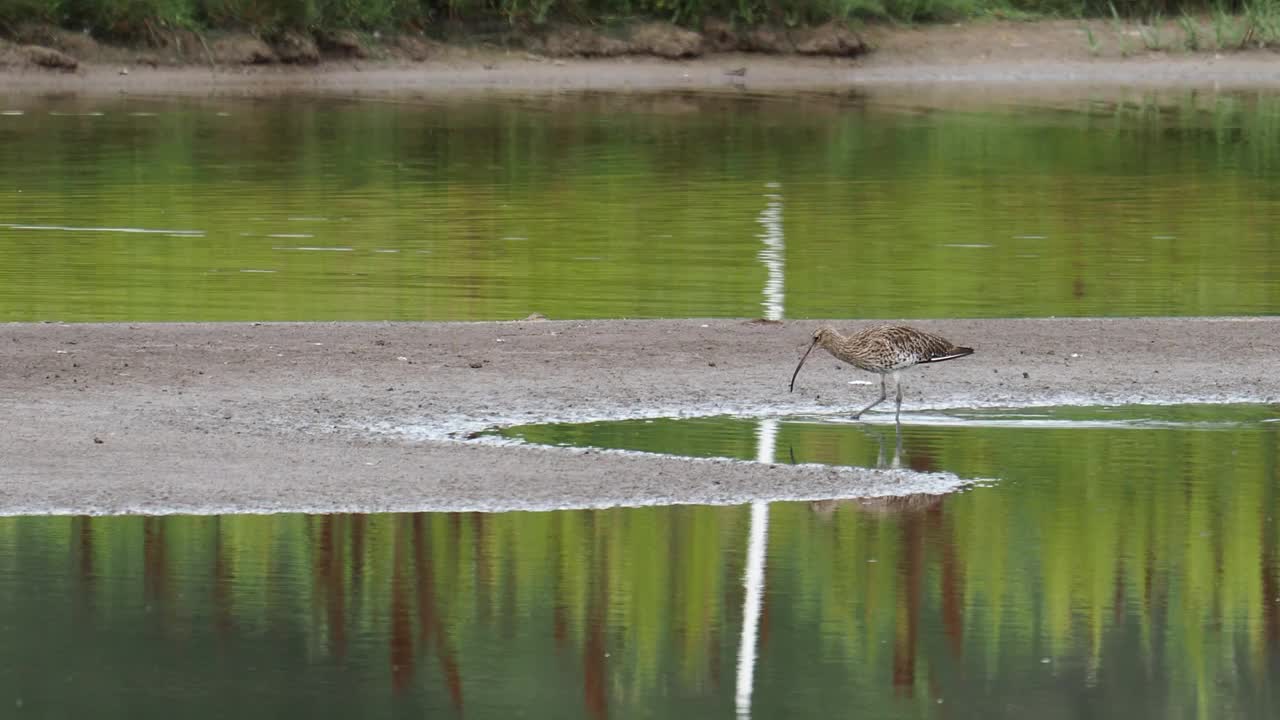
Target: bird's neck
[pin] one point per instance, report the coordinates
(847, 349)
(831, 341)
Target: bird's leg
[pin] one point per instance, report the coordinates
(883, 395)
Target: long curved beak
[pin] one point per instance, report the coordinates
(802, 359)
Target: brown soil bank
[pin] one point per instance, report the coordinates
(367, 416)
(651, 56)
(40, 45)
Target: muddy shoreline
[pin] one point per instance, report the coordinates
(1049, 79)
(324, 417)
(1046, 58)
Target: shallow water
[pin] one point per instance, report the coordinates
(1122, 565)
(870, 442)
(609, 206)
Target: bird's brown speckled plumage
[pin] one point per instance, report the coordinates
(884, 349)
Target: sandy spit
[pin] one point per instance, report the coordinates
(326, 417)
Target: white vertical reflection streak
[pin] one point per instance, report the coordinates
(753, 578)
(771, 254)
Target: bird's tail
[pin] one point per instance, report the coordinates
(956, 352)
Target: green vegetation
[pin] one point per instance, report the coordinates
(1249, 24)
(1094, 47)
(148, 20)
(138, 19)
(1152, 35)
(1190, 33)
(1228, 30)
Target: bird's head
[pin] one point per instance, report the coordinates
(824, 335)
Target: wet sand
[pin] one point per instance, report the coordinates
(368, 416)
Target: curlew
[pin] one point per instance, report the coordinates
(884, 350)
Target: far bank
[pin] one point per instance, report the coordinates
(1042, 58)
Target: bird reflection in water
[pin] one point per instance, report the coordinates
(887, 505)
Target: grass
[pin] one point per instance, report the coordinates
(1094, 46)
(143, 19)
(1152, 36)
(1222, 26)
(1234, 23)
(13, 12)
(1228, 31)
(1118, 27)
(1262, 23)
(1190, 32)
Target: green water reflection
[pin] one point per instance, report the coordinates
(1110, 573)
(837, 440)
(637, 206)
